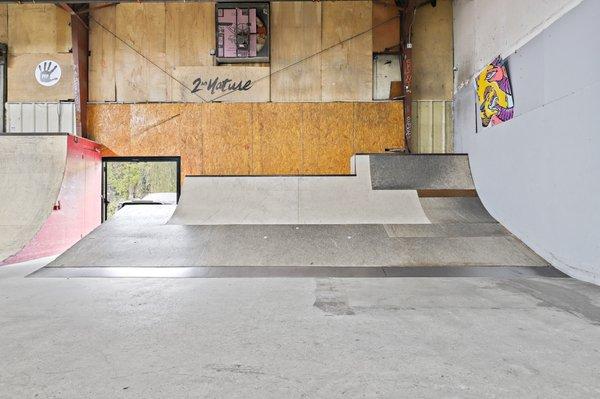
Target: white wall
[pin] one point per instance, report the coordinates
(483, 29)
(539, 173)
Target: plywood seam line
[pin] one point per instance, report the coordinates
(317, 53)
(146, 58)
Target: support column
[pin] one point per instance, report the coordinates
(80, 49)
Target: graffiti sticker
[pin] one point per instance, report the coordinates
(48, 73)
(494, 94)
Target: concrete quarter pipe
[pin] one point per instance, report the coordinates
(50, 189)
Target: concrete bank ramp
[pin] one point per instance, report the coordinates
(45, 181)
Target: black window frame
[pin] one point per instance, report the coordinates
(106, 160)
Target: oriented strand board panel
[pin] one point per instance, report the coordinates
(192, 125)
(433, 54)
(111, 126)
(156, 129)
(386, 35)
(221, 83)
(242, 139)
(141, 26)
(378, 126)
(102, 82)
(227, 141)
(295, 36)
(327, 138)
(347, 67)
(22, 85)
(38, 28)
(3, 23)
(276, 145)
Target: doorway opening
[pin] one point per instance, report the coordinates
(129, 181)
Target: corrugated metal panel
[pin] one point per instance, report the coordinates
(42, 117)
(432, 127)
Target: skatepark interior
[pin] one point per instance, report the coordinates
(310, 199)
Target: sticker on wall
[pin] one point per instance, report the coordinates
(494, 94)
(48, 73)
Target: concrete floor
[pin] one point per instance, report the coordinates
(297, 338)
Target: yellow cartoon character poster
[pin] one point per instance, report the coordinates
(494, 94)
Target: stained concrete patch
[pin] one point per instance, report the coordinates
(555, 296)
(235, 368)
(331, 299)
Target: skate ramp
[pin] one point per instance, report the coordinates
(50, 188)
(221, 200)
(420, 172)
(246, 222)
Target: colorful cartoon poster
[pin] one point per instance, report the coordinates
(494, 94)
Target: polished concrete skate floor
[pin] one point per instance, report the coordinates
(477, 337)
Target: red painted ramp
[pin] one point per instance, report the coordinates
(49, 223)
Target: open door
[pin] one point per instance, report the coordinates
(130, 181)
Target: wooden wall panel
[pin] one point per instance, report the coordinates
(296, 34)
(378, 126)
(102, 82)
(3, 23)
(38, 28)
(347, 69)
(156, 129)
(178, 36)
(258, 92)
(111, 125)
(276, 145)
(387, 33)
(242, 139)
(142, 26)
(433, 52)
(327, 138)
(190, 36)
(227, 142)
(22, 85)
(192, 124)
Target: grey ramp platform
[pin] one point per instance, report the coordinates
(394, 171)
(350, 199)
(123, 245)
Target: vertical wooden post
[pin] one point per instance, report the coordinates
(406, 21)
(80, 48)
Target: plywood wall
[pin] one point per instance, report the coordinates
(34, 33)
(386, 31)
(433, 76)
(141, 26)
(242, 139)
(296, 36)
(3, 23)
(173, 37)
(101, 71)
(38, 28)
(347, 69)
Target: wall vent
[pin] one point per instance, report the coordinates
(242, 32)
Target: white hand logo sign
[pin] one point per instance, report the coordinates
(48, 73)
